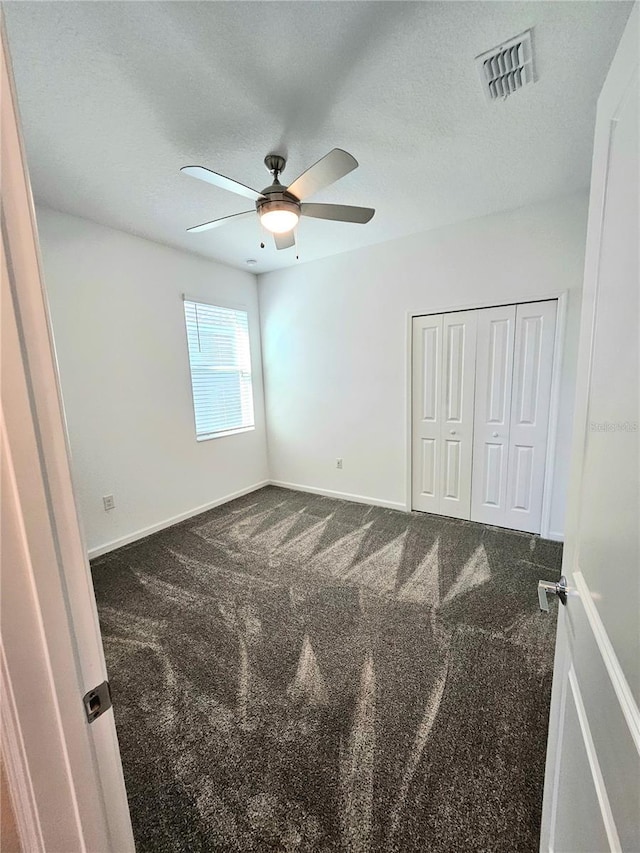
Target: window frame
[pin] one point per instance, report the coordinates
(229, 307)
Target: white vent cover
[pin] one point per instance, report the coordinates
(506, 68)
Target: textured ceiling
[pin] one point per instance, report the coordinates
(115, 97)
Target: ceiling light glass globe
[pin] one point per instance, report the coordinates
(279, 221)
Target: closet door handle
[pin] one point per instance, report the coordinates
(452, 431)
(494, 434)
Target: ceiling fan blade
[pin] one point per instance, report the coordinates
(216, 222)
(333, 166)
(338, 212)
(284, 241)
(221, 181)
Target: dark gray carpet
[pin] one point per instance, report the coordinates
(294, 673)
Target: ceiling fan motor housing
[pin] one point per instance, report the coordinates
(276, 198)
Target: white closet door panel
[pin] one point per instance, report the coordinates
(458, 387)
(533, 361)
(426, 402)
(494, 371)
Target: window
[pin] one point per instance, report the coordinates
(220, 360)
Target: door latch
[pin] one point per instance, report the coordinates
(97, 701)
(547, 587)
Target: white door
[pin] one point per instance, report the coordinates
(443, 373)
(513, 391)
(494, 372)
(64, 773)
(592, 781)
(532, 368)
(456, 426)
(426, 373)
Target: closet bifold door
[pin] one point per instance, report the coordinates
(532, 371)
(443, 370)
(457, 405)
(494, 373)
(425, 412)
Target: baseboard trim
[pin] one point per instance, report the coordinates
(169, 522)
(99, 550)
(554, 536)
(343, 496)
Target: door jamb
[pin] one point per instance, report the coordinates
(562, 298)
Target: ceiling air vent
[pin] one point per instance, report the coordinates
(506, 68)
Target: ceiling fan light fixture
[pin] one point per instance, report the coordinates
(279, 216)
(279, 221)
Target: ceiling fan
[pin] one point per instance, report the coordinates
(280, 207)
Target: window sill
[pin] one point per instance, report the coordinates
(225, 433)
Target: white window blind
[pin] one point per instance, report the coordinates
(220, 360)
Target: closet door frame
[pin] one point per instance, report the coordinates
(562, 298)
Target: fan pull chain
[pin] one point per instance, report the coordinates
(263, 232)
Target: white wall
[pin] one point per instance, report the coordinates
(334, 336)
(118, 324)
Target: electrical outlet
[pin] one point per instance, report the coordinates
(109, 502)
(338, 463)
